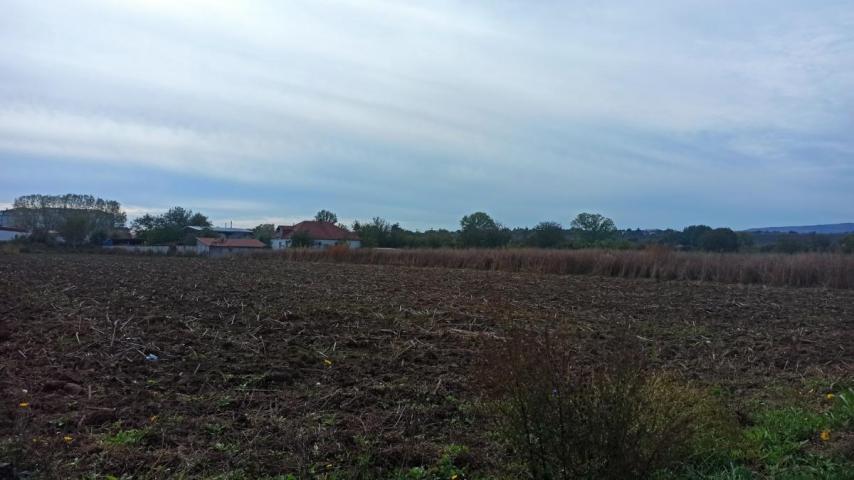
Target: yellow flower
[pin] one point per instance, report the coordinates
(24, 405)
(824, 435)
(153, 419)
(830, 396)
(327, 362)
(67, 438)
(454, 476)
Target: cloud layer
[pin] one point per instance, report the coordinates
(658, 115)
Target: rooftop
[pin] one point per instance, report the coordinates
(220, 229)
(317, 231)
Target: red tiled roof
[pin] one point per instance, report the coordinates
(317, 231)
(231, 242)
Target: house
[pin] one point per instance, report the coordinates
(217, 247)
(223, 232)
(321, 235)
(7, 218)
(10, 233)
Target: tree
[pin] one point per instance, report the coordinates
(326, 216)
(198, 220)
(264, 232)
(847, 244)
(790, 243)
(691, 235)
(76, 229)
(719, 240)
(98, 237)
(547, 235)
(301, 239)
(593, 228)
(745, 241)
(439, 238)
(381, 233)
(169, 227)
(480, 230)
(75, 216)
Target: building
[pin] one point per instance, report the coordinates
(320, 234)
(9, 233)
(223, 232)
(8, 218)
(218, 247)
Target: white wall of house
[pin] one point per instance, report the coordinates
(279, 244)
(6, 235)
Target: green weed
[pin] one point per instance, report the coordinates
(127, 437)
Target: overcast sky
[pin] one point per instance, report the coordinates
(657, 114)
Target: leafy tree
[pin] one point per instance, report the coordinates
(691, 235)
(326, 216)
(374, 233)
(745, 241)
(547, 235)
(264, 232)
(76, 229)
(75, 216)
(381, 233)
(847, 244)
(198, 220)
(480, 230)
(818, 242)
(438, 238)
(593, 228)
(169, 226)
(98, 237)
(719, 240)
(790, 243)
(301, 239)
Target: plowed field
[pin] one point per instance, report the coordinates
(163, 367)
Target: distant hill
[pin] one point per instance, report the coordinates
(835, 228)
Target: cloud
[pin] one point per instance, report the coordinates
(426, 110)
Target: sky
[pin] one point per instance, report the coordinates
(656, 114)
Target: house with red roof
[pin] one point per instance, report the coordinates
(316, 234)
(219, 247)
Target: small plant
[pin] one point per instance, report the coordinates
(446, 468)
(127, 437)
(841, 413)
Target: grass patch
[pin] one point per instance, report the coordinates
(446, 468)
(131, 436)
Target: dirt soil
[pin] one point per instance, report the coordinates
(263, 367)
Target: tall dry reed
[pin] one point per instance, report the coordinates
(799, 270)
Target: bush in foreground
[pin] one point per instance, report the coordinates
(565, 421)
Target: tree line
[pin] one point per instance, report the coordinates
(77, 218)
(83, 219)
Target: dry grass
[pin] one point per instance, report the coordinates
(800, 270)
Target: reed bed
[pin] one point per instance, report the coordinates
(828, 270)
